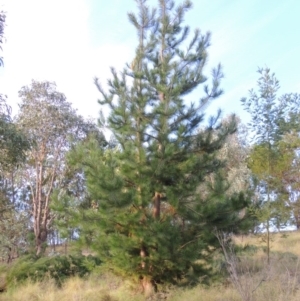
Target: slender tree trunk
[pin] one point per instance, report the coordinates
(66, 247)
(268, 200)
(147, 283)
(297, 219)
(268, 241)
(296, 213)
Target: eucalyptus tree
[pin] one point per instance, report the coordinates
(269, 115)
(52, 126)
(236, 172)
(235, 152)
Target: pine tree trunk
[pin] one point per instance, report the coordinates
(148, 287)
(147, 283)
(156, 208)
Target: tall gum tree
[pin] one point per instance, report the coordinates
(265, 113)
(149, 221)
(270, 116)
(52, 127)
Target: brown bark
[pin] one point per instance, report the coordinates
(41, 196)
(148, 286)
(157, 204)
(147, 283)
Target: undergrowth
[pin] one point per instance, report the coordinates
(58, 268)
(82, 279)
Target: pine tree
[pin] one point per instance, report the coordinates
(147, 217)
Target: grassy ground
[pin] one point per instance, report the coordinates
(256, 281)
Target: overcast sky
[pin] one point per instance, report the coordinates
(72, 41)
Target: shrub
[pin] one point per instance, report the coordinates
(58, 268)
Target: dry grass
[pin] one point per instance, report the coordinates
(279, 282)
(280, 242)
(109, 288)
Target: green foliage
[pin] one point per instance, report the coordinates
(13, 148)
(72, 194)
(270, 166)
(53, 127)
(259, 159)
(13, 142)
(13, 233)
(289, 147)
(58, 267)
(266, 112)
(271, 117)
(146, 215)
(273, 160)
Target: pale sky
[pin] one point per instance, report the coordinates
(72, 41)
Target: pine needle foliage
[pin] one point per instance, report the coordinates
(147, 216)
